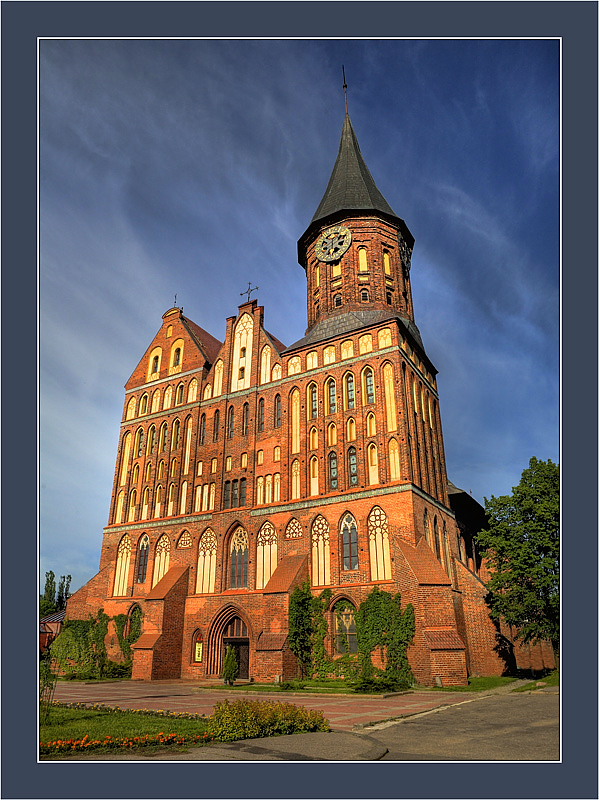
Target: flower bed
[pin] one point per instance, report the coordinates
(109, 742)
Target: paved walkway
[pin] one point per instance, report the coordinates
(344, 712)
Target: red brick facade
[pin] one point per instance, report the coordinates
(245, 468)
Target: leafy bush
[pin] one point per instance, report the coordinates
(291, 686)
(250, 719)
(382, 684)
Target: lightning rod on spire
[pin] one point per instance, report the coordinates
(345, 89)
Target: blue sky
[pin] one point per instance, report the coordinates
(191, 167)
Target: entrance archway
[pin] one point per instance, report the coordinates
(229, 629)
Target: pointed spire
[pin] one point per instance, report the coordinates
(351, 186)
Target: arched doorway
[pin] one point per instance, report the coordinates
(229, 629)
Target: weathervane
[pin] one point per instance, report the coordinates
(345, 89)
(249, 291)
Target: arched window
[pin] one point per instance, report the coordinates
(373, 464)
(331, 434)
(141, 566)
(180, 394)
(218, 378)
(120, 504)
(183, 498)
(347, 349)
(294, 365)
(349, 542)
(338, 301)
(364, 295)
(139, 443)
(206, 575)
(176, 437)
(276, 453)
(378, 545)
(312, 401)
(265, 365)
(293, 529)
(238, 559)
(143, 404)
(172, 491)
(216, 426)
(394, 460)
(268, 489)
(154, 364)
(156, 401)
(313, 476)
(427, 528)
(329, 355)
(192, 391)
(158, 500)
(352, 466)
(333, 472)
(389, 298)
(312, 360)
(278, 412)
(351, 429)
(368, 395)
(135, 478)
(365, 343)
(386, 262)
(227, 494)
(385, 339)
(276, 484)
(260, 490)
(362, 259)
(202, 435)
(277, 372)
(390, 406)
(212, 497)
(197, 647)
(168, 397)
(321, 552)
(295, 480)
(260, 457)
(349, 391)
(260, 421)
(121, 576)
(370, 424)
(266, 554)
(162, 559)
(346, 637)
(132, 506)
(207, 392)
(313, 438)
(162, 437)
(437, 538)
(145, 504)
(151, 440)
(176, 358)
(230, 422)
(245, 419)
(131, 408)
(294, 403)
(187, 450)
(331, 396)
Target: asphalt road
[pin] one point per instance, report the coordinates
(508, 727)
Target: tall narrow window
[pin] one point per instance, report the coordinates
(390, 405)
(158, 501)
(268, 489)
(321, 552)
(349, 540)
(373, 464)
(202, 434)
(294, 402)
(151, 440)
(131, 408)
(139, 444)
(313, 476)
(394, 461)
(132, 506)
(176, 437)
(183, 498)
(352, 466)
(135, 478)
(168, 397)
(260, 490)
(437, 538)
(187, 443)
(143, 404)
(351, 430)
(346, 635)
(230, 422)
(145, 504)
(362, 259)
(371, 425)
(218, 378)
(265, 364)
(245, 417)
(180, 394)
(368, 385)
(242, 491)
(206, 574)
(313, 438)
(238, 559)
(121, 577)
(192, 391)
(260, 424)
(276, 487)
(227, 494)
(349, 391)
(216, 426)
(277, 411)
(171, 500)
(338, 301)
(312, 394)
(295, 480)
(331, 396)
(331, 434)
(378, 545)
(427, 528)
(235, 494)
(143, 551)
(126, 453)
(162, 558)
(386, 263)
(333, 472)
(266, 554)
(277, 372)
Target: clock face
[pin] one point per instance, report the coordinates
(333, 243)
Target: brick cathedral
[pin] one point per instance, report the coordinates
(248, 467)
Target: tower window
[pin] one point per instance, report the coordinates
(389, 298)
(333, 472)
(216, 427)
(349, 533)
(277, 411)
(337, 300)
(365, 295)
(261, 415)
(352, 464)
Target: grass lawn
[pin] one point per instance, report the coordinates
(479, 684)
(75, 723)
(549, 680)
(324, 686)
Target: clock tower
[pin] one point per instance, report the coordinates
(356, 250)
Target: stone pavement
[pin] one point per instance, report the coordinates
(416, 726)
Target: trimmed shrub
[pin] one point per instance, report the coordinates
(251, 719)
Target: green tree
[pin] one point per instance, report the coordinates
(230, 666)
(48, 598)
(521, 545)
(301, 627)
(64, 593)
